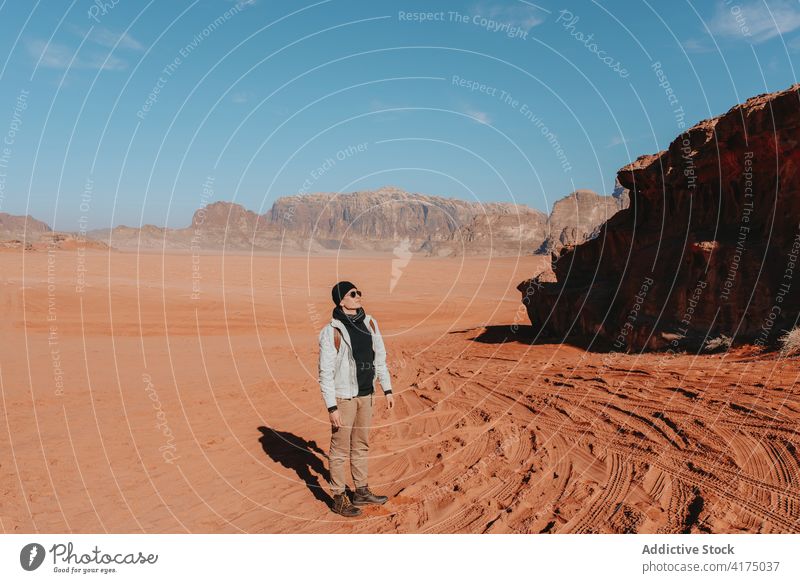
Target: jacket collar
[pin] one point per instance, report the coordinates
(340, 325)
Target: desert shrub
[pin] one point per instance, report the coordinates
(719, 344)
(790, 342)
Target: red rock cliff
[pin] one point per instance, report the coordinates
(705, 253)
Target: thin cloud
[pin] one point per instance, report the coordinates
(110, 63)
(108, 38)
(379, 104)
(478, 115)
(53, 56)
(693, 45)
(241, 97)
(521, 15)
(616, 141)
(58, 56)
(755, 20)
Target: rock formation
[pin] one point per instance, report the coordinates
(707, 252)
(387, 220)
(500, 231)
(144, 237)
(379, 221)
(20, 228)
(29, 234)
(577, 217)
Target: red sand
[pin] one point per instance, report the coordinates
(128, 406)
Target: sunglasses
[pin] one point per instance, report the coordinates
(354, 293)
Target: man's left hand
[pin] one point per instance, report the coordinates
(389, 400)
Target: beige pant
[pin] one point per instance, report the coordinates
(352, 437)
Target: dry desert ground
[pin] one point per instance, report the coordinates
(171, 393)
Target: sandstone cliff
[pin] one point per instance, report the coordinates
(577, 217)
(378, 220)
(499, 231)
(26, 233)
(21, 228)
(384, 221)
(707, 252)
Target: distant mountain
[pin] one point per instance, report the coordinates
(21, 228)
(25, 232)
(383, 220)
(387, 220)
(578, 216)
(500, 231)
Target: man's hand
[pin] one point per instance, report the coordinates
(390, 400)
(336, 421)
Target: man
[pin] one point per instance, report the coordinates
(351, 355)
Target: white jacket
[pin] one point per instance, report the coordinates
(337, 370)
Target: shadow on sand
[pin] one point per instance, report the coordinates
(525, 335)
(305, 458)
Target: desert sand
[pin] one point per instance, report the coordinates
(172, 393)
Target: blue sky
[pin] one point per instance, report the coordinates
(129, 112)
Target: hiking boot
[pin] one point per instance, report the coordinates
(343, 506)
(363, 496)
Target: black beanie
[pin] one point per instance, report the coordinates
(340, 289)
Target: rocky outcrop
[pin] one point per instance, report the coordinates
(577, 217)
(21, 228)
(707, 253)
(386, 220)
(28, 234)
(372, 221)
(622, 195)
(499, 231)
(134, 238)
(378, 220)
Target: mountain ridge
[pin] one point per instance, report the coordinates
(374, 221)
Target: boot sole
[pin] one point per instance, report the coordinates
(347, 515)
(368, 503)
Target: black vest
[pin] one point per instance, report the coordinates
(363, 353)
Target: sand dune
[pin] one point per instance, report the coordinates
(139, 403)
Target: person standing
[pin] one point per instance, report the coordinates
(351, 356)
